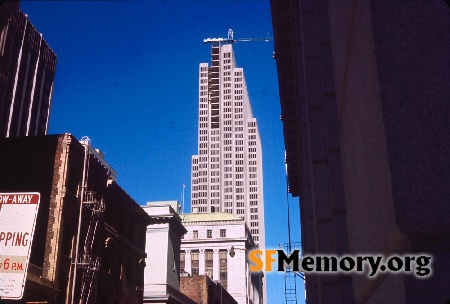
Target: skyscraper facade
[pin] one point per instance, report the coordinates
(27, 72)
(227, 172)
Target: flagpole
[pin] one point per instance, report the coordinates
(182, 201)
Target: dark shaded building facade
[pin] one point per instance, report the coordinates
(365, 106)
(53, 166)
(27, 72)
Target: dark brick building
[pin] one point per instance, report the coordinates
(27, 72)
(202, 290)
(53, 166)
(365, 103)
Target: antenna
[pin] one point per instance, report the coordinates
(230, 34)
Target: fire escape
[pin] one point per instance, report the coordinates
(290, 284)
(86, 259)
(88, 263)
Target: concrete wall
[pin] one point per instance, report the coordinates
(390, 63)
(365, 102)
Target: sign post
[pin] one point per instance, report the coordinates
(18, 212)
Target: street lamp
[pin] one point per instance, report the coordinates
(232, 252)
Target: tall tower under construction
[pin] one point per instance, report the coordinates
(227, 173)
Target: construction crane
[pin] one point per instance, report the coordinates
(230, 39)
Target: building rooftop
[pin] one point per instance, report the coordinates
(209, 217)
(174, 204)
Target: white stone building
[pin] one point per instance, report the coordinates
(227, 172)
(162, 270)
(216, 245)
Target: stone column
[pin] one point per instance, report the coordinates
(201, 262)
(187, 262)
(216, 262)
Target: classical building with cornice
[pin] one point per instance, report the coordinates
(217, 245)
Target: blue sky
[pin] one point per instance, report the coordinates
(127, 77)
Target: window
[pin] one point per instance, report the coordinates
(209, 234)
(209, 271)
(223, 232)
(209, 255)
(194, 256)
(209, 262)
(223, 276)
(194, 270)
(195, 234)
(182, 260)
(223, 273)
(194, 262)
(223, 256)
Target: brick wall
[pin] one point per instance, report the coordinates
(48, 165)
(202, 290)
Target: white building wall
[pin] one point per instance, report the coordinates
(237, 276)
(162, 240)
(156, 248)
